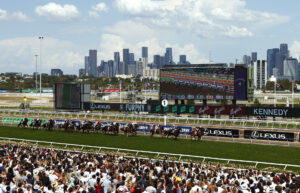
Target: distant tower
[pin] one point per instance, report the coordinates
(93, 63)
(168, 56)
(126, 60)
(117, 67)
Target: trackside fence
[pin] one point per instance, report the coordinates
(180, 156)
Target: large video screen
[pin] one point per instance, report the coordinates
(200, 83)
(67, 96)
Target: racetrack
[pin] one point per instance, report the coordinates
(275, 154)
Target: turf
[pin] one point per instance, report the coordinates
(275, 154)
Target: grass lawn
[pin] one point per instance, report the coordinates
(275, 154)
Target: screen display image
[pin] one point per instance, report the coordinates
(197, 83)
(67, 96)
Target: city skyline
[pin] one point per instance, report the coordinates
(221, 31)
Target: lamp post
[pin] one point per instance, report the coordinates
(36, 72)
(41, 38)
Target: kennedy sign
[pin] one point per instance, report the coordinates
(269, 135)
(272, 112)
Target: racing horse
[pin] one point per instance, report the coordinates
(158, 129)
(112, 129)
(49, 124)
(197, 132)
(36, 123)
(23, 123)
(176, 132)
(130, 129)
(169, 132)
(87, 126)
(66, 125)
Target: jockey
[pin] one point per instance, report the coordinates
(197, 130)
(156, 127)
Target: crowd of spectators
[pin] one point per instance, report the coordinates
(27, 169)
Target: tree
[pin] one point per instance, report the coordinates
(256, 102)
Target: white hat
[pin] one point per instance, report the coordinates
(36, 187)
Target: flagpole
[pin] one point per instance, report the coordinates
(275, 92)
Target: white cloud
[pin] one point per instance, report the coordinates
(3, 14)
(57, 12)
(18, 16)
(207, 18)
(55, 54)
(97, 9)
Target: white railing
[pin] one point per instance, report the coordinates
(99, 148)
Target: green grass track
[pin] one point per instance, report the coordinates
(266, 153)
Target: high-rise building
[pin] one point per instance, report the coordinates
(126, 60)
(102, 68)
(117, 66)
(56, 72)
(290, 68)
(110, 68)
(156, 62)
(93, 63)
(284, 50)
(131, 58)
(246, 60)
(271, 60)
(168, 56)
(162, 62)
(81, 72)
(132, 69)
(260, 73)
(86, 65)
(139, 68)
(254, 56)
(182, 59)
(144, 52)
(279, 62)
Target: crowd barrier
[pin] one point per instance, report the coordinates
(180, 156)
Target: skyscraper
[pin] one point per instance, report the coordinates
(182, 59)
(86, 65)
(144, 52)
(126, 60)
(271, 60)
(110, 71)
(117, 67)
(246, 60)
(156, 61)
(131, 58)
(284, 50)
(168, 56)
(254, 56)
(279, 62)
(93, 63)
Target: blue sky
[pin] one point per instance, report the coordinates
(226, 28)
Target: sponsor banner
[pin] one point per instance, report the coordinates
(16, 120)
(143, 128)
(118, 107)
(111, 90)
(272, 112)
(184, 130)
(222, 132)
(220, 110)
(269, 135)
